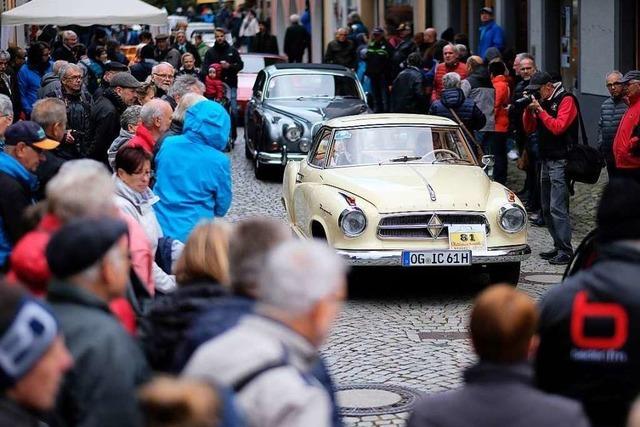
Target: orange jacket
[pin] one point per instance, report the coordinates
(503, 97)
(443, 69)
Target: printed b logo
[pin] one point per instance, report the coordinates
(584, 310)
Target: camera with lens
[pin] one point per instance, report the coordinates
(527, 98)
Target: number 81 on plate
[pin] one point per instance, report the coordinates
(435, 258)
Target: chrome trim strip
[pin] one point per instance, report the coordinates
(389, 258)
(276, 158)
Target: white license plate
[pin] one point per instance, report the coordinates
(435, 258)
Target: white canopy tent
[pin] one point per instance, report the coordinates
(85, 12)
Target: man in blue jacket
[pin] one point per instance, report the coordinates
(23, 152)
(491, 34)
(193, 175)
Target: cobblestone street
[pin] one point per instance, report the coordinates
(411, 334)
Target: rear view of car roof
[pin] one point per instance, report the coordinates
(333, 67)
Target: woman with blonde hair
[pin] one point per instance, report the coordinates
(202, 276)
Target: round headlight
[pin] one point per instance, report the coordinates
(352, 222)
(512, 218)
(292, 133)
(304, 145)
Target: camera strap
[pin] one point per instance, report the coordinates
(467, 132)
(585, 138)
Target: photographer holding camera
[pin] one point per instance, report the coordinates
(553, 113)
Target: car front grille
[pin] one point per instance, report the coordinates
(426, 225)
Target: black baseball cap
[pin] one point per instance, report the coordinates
(630, 75)
(30, 133)
(538, 79)
(115, 66)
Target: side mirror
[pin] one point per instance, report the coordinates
(488, 161)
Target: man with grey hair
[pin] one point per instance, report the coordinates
(162, 76)
(341, 50)
(78, 107)
(453, 99)
(611, 112)
(9, 84)
(64, 52)
(6, 116)
(155, 118)
(181, 86)
(296, 40)
(451, 64)
(267, 357)
(51, 81)
(129, 122)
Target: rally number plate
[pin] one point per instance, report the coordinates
(435, 258)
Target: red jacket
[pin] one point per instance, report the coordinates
(142, 139)
(443, 69)
(624, 141)
(214, 89)
(502, 99)
(567, 113)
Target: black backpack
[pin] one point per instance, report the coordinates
(584, 162)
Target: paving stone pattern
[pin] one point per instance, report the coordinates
(382, 336)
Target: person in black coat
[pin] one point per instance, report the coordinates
(341, 51)
(453, 98)
(499, 389)
(64, 52)
(589, 335)
(296, 40)
(378, 59)
(184, 46)
(264, 42)
(407, 93)
(9, 84)
(106, 111)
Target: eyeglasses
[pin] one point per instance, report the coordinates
(76, 78)
(146, 174)
(612, 85)
(164, 76)
(526, 68)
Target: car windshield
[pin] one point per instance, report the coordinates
(255, 63)
(399, 144)
(312, 86)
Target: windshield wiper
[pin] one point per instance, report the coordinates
(300, 98)
(402, 159)
(451, 160)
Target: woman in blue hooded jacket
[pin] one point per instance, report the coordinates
(193, 175)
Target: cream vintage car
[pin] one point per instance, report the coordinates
(405, 190)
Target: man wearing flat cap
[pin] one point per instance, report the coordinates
(25, 143)
(110, 69)
(106, 111)
(89, 260)
(590, 324)
(491, 34)
(626, 144)
(33, 358)
(165, 53)
(553, 113)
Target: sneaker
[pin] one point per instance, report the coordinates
(560, 259)
(548, 255)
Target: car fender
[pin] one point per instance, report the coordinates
(499, 196)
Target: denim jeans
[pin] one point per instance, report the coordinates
(554, 194)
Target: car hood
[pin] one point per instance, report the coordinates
(312, 110)
(413, 187)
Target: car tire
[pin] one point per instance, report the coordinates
(259, 169)
(247, 152)
(504, 273)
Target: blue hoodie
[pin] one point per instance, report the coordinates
(491, 35)
(193, 175)
(11, 167)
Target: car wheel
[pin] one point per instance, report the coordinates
(259, 169)
(504, 273)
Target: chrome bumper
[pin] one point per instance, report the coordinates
(394, 257)
(280, 158)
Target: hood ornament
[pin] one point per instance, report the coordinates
(431, 192)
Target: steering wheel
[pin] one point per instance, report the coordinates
(443, 150)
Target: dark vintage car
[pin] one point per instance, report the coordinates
(289, 101)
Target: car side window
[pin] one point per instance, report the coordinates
(259, 83)
(320, 153)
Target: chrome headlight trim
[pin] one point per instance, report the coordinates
(292, 133)
(344, 216)
(504, 209)
(304, 145)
